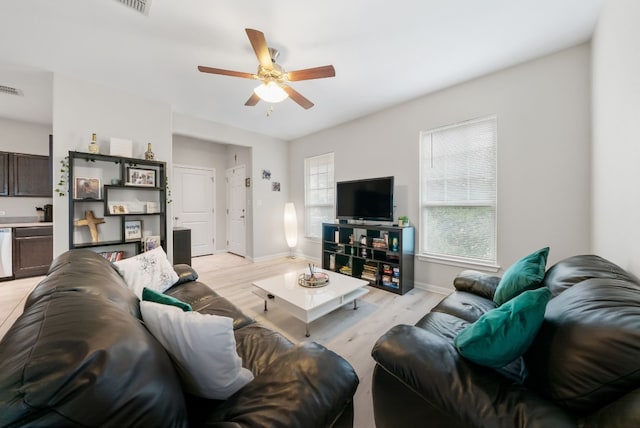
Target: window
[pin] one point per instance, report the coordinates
(458, 194)
(318, 194)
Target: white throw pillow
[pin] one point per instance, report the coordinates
(151, 269)
(203, 349)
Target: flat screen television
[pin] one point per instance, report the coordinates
(368, 199)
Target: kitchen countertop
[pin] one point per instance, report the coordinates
(33, 224)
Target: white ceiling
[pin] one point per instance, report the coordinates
(384, 52)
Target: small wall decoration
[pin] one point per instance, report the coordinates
(247, 182)
(87, 188)
(132, 230)
(266, 174)
(141, 177)
(275, 186)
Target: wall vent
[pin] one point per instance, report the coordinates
(11, 91)
(141, 6)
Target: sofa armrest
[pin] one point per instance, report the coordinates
(308, 386)
(473, 395)
(185, 273)
(476, 282)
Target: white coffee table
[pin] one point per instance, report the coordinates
(309, 304)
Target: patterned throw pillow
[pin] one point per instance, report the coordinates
(151, 270)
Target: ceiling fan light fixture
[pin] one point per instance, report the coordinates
(270, 92)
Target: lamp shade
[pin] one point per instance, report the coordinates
(290, 224)
(270, 92)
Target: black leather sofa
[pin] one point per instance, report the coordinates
(80, 355)
(583, 366)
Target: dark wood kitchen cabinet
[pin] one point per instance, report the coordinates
(31, 175)
(23, 174)
(4, 174)
(32, 251)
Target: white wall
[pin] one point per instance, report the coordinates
(616, 134)
(80, 109)
(23, 137)
(188, 151)
(265, 230)
(543, 110)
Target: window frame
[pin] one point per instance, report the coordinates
(308, 234)
(458, 260)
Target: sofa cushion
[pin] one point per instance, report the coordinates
(153, 296)
(79, 271)
(203, 348)
(464, 305)
(505, 333)
(259, 346)
(525, 274)
(151, 269)
(573, 270)
(587, 353)
(204, 300)
(476, 282)
(76, 359)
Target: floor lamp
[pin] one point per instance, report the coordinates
(290, 227)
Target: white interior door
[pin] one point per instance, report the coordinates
(236, 211)
(194, 195)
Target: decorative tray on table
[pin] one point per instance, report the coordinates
(315, 280)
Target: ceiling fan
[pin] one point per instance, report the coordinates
(274, 87)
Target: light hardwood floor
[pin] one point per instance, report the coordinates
(350, 333)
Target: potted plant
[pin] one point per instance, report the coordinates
(403, 221)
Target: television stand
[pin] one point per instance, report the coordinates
(382, 255)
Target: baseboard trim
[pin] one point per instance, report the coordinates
(433, 288)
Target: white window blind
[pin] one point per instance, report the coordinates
(318, 193)
(458, 191)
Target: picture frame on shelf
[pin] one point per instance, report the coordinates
(118, 209)
(132, 230)
(141, 177)
(150, 242)
(152, 207)
(87, 188)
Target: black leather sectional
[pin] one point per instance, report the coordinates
(80, 355)
(582, 370)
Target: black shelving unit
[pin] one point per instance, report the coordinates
(382, 255)
(108, 168)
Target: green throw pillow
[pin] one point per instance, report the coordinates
(503, 334)
(525, 274)
(157, 297)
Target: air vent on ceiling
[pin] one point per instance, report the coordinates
(141, 6)
(11, 91)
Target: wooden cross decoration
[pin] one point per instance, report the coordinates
(91, 221)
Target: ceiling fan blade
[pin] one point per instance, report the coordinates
(312, 73)
(259, 44)
(253, 100)
(226, 72)
(297, 97)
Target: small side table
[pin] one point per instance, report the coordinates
(181, 246)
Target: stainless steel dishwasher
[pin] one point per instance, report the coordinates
(6, 250)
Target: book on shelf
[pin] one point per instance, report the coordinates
(369, 272)
(113, 256)
(379, 243)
